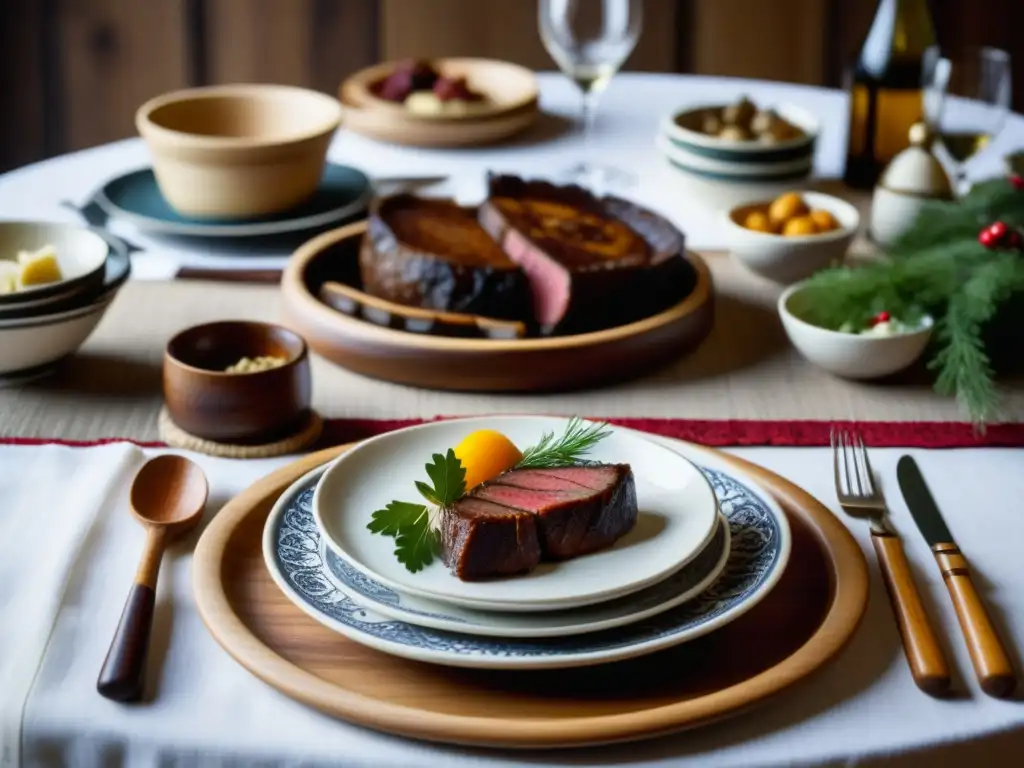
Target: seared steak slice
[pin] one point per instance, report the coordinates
(433, 254)
(594, 477)
(580, 511)
(591, 262)
(482, 539)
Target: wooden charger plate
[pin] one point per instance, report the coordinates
(483, 365)
(806, 619)
(511, 88)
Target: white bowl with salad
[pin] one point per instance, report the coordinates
(878, 345)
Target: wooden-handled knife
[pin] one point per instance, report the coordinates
(991, 662)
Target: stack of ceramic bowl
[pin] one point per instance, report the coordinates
(42, 322)
(696, 153)
(511, 105)
(708, 545)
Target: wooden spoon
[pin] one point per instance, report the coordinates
(168, 496)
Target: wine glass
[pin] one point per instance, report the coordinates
(966, 102)
(590, 40)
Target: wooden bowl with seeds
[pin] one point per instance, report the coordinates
(237, 381)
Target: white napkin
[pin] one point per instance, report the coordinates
(54, 501)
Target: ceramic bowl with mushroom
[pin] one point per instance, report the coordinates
(792, 236)
(741, 142)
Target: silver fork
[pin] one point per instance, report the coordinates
(860, 497)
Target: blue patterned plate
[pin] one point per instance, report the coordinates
(683, 585)
(135, 197)
(758, 555)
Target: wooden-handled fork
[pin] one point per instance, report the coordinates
(860, 497)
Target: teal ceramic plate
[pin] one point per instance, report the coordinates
(135, 196)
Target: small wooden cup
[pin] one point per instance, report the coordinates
(259, 407)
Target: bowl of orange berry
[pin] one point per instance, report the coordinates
(793, 236)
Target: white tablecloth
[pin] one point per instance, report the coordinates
(69, 547)
(628, 118)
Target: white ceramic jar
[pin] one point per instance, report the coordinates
(914, 177)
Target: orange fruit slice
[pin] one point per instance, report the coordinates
(485, 454)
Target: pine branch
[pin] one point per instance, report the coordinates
(963, 365)
(938, 267)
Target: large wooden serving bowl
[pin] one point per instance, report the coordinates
(484, 365)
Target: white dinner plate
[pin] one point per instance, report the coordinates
(685, 584)
(759, 551)
(677, 517)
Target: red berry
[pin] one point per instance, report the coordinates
(881, 317)
(986, 238)
(1014, 240)
(1017, 182)
(998, 230)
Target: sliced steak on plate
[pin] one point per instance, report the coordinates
(582, 510)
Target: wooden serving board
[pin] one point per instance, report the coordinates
(483, 365)
(806, 619)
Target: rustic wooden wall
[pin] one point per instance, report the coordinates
(73, 71)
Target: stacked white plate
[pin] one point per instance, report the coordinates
(40, 324)
(708, 545)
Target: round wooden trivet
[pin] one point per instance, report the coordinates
(805, 620)
(176, 437)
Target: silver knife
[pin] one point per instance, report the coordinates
(991, 662)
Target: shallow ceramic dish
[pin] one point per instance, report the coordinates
(494, 365)
(677, 518)
(507, 87)
(697, 153)
(849, 355)
(381, 125)
(685, 584)
(238, 150)
(116, 271)
(81, 255)
(343, 193)
(261, 406)
(761, 544)
(789, 259)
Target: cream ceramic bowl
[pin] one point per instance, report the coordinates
(238, 151)
(790, 259)
(849, 355)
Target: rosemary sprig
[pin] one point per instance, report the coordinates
(577, 440)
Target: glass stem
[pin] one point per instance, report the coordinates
(589, 114)
(961, 186)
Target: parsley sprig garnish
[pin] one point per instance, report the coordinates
(417, 541)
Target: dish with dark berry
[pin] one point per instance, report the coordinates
(422, 89)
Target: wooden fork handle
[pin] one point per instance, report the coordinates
(991, 662)
(924, 654)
